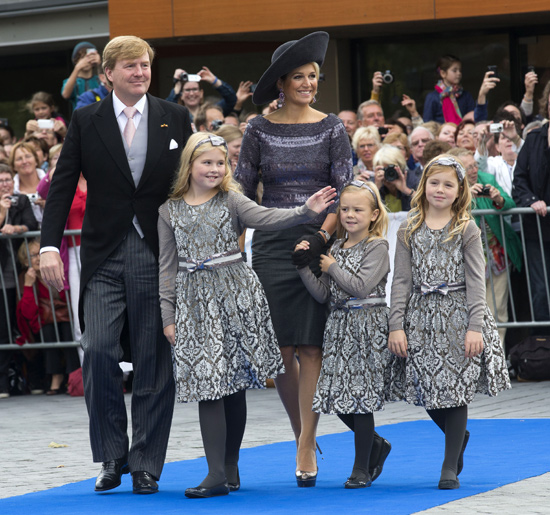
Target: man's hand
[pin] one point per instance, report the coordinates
(377, 82)
(51, 269)
(539, 207)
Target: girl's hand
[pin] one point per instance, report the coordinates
(30, 277)
(303, 245)
(397, 343)
(59, 126)
(473, 344)
(326, 261)
(319, 201)
(170, 333)
(410, 105)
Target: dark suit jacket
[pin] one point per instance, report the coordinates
(94, 146)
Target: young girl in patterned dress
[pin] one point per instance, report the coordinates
(352, 382)
(214, 309)
(441, 329)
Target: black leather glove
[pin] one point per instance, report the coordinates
(302, 258)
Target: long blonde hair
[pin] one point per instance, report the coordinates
(198, 144)
(379, 227)
(461, 207)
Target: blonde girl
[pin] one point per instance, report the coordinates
(443, 335)
(355, 356)
(214, 309)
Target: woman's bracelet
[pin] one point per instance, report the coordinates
(215, 81)
(325, 234)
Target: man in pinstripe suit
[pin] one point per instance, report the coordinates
(128, 147)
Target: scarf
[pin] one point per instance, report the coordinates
(448, 96)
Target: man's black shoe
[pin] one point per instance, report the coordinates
(111, 472)
(144, 483)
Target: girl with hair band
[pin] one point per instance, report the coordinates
(297, 149)
(214, 310)
(443, 334)
(354, 374)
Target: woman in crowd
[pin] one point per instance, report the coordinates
(447, 133)
(234, 138)
(366, 142)
(465, 135)
(298, 150)
(24, 161)
(390, 177)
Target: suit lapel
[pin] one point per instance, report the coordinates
(107, 127)
(157, 138)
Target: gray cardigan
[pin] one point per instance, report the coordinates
(474, 270)
(375, 266)
(244, 213)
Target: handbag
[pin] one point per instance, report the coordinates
(531, 358)
(45, 309)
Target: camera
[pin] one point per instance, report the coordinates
(485, 192)
(45, 124)
(14, 201)
(33, 197)
(493, 68)
(188, 77)
(391, 173)
(382, 131)
(530, 68)
(215, 125)
(253, 88)
(496, 128)
(387, 77)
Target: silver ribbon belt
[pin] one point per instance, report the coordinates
(355, 303)
(442, 288)
(211, 262)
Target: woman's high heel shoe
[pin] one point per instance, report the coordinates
(306, 479)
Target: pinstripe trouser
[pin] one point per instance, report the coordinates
(126, 284)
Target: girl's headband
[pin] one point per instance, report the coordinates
(361, 184)
(449, 161)
(215, 141)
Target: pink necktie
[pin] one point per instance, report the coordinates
(130, 129)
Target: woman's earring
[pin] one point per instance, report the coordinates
(314, 99)
(281, 97)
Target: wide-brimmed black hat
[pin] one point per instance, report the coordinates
(289, 56)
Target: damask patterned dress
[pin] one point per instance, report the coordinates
(436, 374)
(225, 340)
(354, 374)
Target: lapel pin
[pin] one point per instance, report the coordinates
(164, 125)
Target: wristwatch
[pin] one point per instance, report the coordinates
(325, 234)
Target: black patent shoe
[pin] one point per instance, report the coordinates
(144, 483)
(200, 492)
(306, 479)
(360, 481)
(460, 463)
(376, 468)
(111, 472)
(233, 487)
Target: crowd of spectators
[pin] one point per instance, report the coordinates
(506, 157)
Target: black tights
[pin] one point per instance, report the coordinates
(363, 427)
(452, 421)
(222, 428)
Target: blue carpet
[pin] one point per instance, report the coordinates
(499, 452)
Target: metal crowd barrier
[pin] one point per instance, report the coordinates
(13, 332)
(513, 323)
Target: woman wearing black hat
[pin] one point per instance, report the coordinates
(298, 150)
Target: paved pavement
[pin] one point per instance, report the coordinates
(29, 424)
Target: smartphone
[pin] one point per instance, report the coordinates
(45, 124)
(253, 88)
(530, 68)
(493, 68)
(91, 51)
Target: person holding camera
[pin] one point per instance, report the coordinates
(16, 217)
(43, 108)
(24, 162)
(390, 176)
(209, 118)
(488, 194)
(187, 91)
(449, 102)
(84, 75)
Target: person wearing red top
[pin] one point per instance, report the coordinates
(31, 318)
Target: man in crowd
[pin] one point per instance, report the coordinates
(127, 147)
